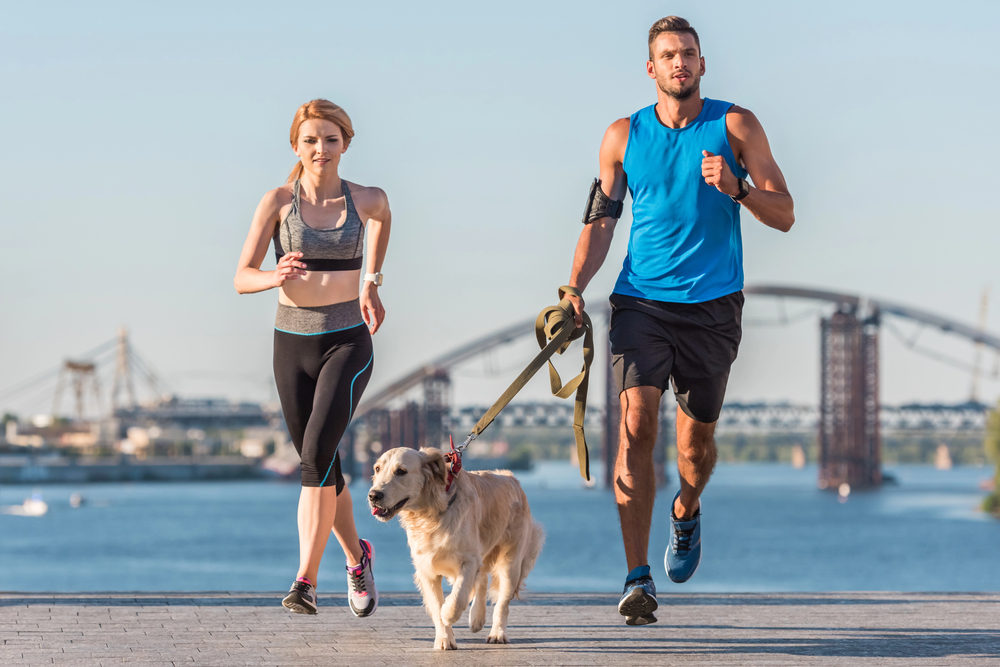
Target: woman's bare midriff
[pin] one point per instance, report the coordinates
(320, 288)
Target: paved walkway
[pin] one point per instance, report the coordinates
(547, 629)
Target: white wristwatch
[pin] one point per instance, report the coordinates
(374, 278)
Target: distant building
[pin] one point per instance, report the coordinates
(53, 434)
(199, 413)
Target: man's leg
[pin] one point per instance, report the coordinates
(695, 460)
(696, 456)
(635, 481)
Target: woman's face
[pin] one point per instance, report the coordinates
(320, 145)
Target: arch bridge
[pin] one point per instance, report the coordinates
(848, 424)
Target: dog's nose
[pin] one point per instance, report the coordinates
(375, 496)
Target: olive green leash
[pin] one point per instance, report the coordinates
(555, 329)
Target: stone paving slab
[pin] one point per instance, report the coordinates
(226, 629)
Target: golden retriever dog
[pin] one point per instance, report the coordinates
(481, 527)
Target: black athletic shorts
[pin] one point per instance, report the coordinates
(692, 345)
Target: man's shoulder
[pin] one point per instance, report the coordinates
(736, 113)
(619, 128)
(741, 122)
(615, 140)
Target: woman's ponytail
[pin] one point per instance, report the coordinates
(296, 172)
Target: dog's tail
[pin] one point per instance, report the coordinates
(534, 547)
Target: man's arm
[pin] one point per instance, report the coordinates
(769, 201)
(595, 239)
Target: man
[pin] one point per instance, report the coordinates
(677, 304)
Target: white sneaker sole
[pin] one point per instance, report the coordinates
(298, 607)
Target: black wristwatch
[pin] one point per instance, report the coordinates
(744, 189)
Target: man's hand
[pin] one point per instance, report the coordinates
(716, 171)
(577, 308)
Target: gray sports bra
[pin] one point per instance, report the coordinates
(337, 249)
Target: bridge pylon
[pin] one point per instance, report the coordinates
(850, 448)
(81, 375)
(413, 425)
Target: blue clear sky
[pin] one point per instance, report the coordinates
(138, 138)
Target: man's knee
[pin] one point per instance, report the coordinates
(639, 427)
(697, 449)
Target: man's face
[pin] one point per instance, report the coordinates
(676, 64)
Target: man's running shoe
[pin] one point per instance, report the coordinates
(639, 597)
(361, 591)
(302, 598)
(684, 553)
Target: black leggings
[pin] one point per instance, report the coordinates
(320, 380)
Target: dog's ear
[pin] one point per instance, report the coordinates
(434, 464)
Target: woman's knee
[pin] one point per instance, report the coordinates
(317, 469)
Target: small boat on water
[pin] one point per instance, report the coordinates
(798, 457)
(33, 506)
(942, 458)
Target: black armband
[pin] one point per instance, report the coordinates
(599, 205)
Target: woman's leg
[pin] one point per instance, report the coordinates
(317, 513)
(321, 509)
(341, 381)
(345, 530)
(296, 363)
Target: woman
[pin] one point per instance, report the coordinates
(322, 338)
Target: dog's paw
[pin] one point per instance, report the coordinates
(450, 612)
(497, 637)
(444, 643)
(477, 616)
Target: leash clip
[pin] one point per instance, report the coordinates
(454, 459)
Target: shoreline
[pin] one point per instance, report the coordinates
(26, 469)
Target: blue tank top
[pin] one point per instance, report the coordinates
(685, 245)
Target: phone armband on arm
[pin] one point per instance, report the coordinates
(599, 205)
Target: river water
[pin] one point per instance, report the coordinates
(766, 527)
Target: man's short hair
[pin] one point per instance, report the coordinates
(671, 24)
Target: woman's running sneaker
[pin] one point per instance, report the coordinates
(639, 597)
(302, 598)
(361, 591)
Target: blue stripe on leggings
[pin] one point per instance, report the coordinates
(351, 404)
(318, 333)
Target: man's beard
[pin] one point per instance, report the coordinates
(680, 94)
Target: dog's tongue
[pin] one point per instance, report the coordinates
(376, 511)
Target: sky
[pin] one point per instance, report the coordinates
(138, 139)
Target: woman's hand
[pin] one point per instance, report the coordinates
(289, 268)
(372, 311)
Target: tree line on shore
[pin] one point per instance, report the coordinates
(992, 446)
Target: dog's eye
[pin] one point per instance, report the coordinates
(400, 472)
(376, 468)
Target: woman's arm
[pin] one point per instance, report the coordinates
(378, 240)
(249, 278)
